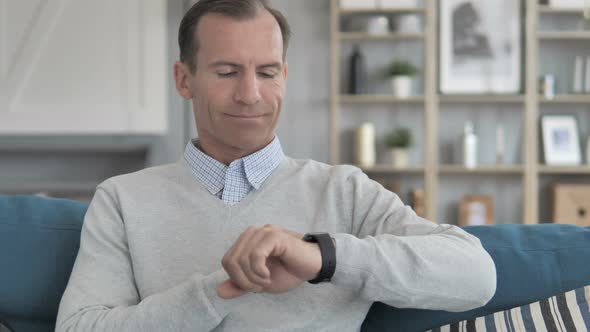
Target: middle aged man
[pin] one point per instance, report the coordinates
(216, 240)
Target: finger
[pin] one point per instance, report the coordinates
(233, 265)
(257, 259)
(229, 290)
(250, 249)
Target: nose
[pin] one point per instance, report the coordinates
(248, 90)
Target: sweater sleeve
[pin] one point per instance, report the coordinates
(396, 257)
(101, 294)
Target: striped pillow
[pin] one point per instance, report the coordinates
(564, 312)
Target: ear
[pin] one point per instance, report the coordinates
(181, 76)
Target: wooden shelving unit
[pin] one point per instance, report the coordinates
(379, 99)
(545, 9)
(482, 170)
(356, 36)
(564, 35)
(400, 10)
(566, 99)
(529, 171)
(484, 99)
(544, 169)
(393, 170)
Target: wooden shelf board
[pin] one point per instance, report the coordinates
(382, 168)
(485, 169)
(582, 169)
(389, 36)
(546, 9)
(491, 99)
(564, 35)
(372, 99)
(400, 10)
(567, 99)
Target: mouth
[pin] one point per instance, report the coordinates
(245, 116)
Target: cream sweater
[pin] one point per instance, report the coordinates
(152, 243)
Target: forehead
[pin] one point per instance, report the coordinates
(246, 39)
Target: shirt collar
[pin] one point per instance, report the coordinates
(257, 166)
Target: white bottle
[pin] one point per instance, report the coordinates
(365, 145)
(469, 147)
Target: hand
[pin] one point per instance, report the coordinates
(268, 259)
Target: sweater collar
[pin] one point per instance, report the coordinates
(256, 167)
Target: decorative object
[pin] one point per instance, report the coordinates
(571, 204)
(418, 202)
(399, 141)
(378, 25)
(578, 74)
(561, 140)
(388, 4)
(467, 149)
(408, 23)
(358, 72)
(476, 210)
(480, 44)
(500, 145)
(358, 4)
(365, 145)
(587, 79)
(401, 73)
(547, 86)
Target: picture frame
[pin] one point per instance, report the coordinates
(561, 139)
(476, 210)
(477, 54)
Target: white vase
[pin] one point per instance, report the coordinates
(401, 86)
(399, 157)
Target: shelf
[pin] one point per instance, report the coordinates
(379, 99)
(545, 9)
(564, 35)
(484, 169)
(490, 99)
(582, 169)
(400, 10)
(567, 99)
(389, 36)
(392, 170)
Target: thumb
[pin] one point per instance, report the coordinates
(228, 290)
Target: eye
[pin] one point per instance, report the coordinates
(267, 75)
(227, 74)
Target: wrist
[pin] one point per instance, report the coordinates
(327, 247)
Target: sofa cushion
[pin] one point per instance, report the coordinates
(533, 262)
(563, 312)
(42, 237)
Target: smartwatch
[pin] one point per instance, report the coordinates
(328, 252)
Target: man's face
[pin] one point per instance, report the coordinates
(239, 84)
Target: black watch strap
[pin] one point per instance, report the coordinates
(328, 252)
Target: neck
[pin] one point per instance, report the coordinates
(224, 153)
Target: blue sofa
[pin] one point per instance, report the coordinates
(39, 239)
